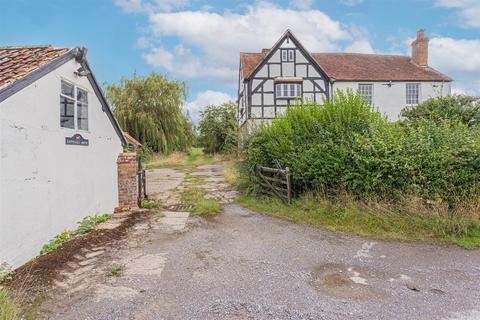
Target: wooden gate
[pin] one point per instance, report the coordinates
(275, 182)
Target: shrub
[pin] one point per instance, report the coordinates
(218, 129)
(465, 109)
(346, 146)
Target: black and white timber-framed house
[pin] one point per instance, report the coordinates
(271, 80)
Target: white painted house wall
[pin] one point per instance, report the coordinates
(391, 100)
(47, 186)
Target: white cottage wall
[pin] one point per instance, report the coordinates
(47, 186)
(390, 100)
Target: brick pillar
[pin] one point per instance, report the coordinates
(127, 181)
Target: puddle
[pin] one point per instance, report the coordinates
(337, 280)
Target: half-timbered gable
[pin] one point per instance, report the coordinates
(273, 79)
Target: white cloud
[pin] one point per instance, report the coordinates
(360, 46)
(211, 41)
(459, 59)
(205, 99)
(469, 11)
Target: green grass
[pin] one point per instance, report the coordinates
(147, 204)
(369, 220)
(194, 157)
(9, 310)
(115, 271)
(206, 208)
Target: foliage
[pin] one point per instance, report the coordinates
(145, 153)
(58, 241)
(218, 128)
(5, 272)
(9, 310)
(84, 226)
(346, 146)
(116, 271)
(146, 204)
(149, 109)
(89, 222)
(465, 109)
(377, 220)
(206, 207)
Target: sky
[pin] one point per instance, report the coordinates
(199, 41)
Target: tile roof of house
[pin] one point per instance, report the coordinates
(360, 67)
(17, 62)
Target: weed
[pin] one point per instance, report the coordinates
(115, 271)
(5, 273)
(9, 310)
(147, 204)
(58, 241)
(206, 207)
(89, 222)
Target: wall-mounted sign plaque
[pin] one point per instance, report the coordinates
(77, 140)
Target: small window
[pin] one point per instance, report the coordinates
(288, 90)
(73, 107)
(288, 55)
(67, 106)
(366, 92)
(82, 110)
(413, 93)
(291, 55)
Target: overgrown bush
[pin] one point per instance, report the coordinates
(218, 129)
(465, 109)
(346, 146)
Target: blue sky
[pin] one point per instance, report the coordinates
(198, 41)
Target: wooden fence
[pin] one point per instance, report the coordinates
(276, 182)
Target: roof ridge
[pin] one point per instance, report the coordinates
(29, 46)
(363, 54)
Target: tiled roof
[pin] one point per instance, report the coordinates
(360, 67)
(375, 67)
(17, 62)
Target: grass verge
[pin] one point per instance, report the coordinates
(369, 220)
(179, 160)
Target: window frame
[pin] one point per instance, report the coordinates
(408, 101)
(75, 105)
(286, 90)
(287, 57)
(370, 85)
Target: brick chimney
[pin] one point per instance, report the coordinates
(265, 51)
(420, 49)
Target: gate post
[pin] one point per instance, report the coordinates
(127, 181)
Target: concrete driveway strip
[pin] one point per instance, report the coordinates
(242, 265)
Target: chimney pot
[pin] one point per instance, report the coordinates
(420, 49)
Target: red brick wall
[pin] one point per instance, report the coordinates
(127, 181)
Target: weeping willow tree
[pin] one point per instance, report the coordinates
(149, 109)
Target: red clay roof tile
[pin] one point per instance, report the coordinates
(360, 67)
(16, 62)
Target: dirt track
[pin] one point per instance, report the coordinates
(242, 265)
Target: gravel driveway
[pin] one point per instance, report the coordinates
(243, 265)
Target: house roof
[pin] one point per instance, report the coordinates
(17, 62)
(375, 67)
(359, 67)
(131, 140)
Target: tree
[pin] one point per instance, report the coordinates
(218, 128)
(461, 108)
(149, 109)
